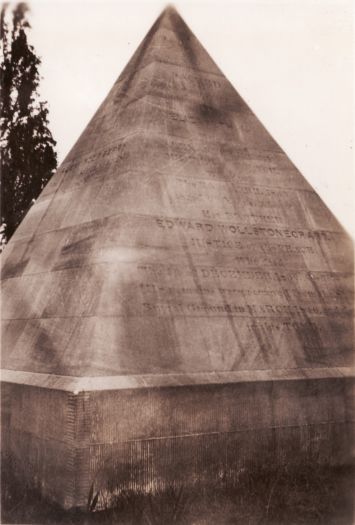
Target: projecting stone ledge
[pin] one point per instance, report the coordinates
(124, 382)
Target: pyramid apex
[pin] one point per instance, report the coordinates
(169, 9)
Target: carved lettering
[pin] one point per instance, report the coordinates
(245, 230)
(248, 310)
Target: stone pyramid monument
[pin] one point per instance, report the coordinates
(177, 305)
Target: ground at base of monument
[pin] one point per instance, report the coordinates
(317, 495)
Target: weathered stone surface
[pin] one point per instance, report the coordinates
(149, 438)
(178, 284)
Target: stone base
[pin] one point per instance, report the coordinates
(69, 442)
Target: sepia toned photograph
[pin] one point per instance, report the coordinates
(177, 262)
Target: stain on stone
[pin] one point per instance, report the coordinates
(13, 269)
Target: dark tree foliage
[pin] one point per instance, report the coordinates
(28, 157)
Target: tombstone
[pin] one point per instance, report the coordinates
(177, 304)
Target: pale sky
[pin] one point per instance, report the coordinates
(291, 60)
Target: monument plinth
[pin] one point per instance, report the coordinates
(178, 303)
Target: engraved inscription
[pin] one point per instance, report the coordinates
(235, 229)
(248, 310)
(221, 200)
(290, 292)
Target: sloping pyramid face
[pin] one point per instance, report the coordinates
(176, 238)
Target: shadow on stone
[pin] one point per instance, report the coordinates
(314, 495)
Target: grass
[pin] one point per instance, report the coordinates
(315, 495)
